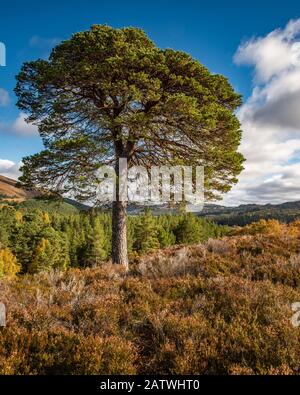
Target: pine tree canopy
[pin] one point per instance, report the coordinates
(108, 93)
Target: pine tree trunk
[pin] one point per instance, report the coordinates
(119, 228)
(119, 234)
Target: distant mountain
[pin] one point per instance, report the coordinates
(240, 215)
(247, 213)
(10, 193)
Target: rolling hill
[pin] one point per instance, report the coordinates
(10, 192)
(248, 213)
(239, 215)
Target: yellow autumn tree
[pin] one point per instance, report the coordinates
(270, 227)
(46, 218)
(19, 216)
(294, 228)
(9, 265)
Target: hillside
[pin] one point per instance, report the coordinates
(248, 213)
(239, 215)
(221, 307)
(10, 192)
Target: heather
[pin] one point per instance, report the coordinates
(220, 306)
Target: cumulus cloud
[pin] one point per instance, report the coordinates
(9, 168)
(270, 119)
(19, 127)
(4, 98)
(22, 128)
(272, 54)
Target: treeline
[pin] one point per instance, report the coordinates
(244, 218)
(32, 239)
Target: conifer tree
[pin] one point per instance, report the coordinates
(95, 250)
(189, 230)
(107, 94)
(146, 237)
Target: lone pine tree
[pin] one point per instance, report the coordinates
(107, 94)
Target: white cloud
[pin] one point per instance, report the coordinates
(9, 168)
(22, 128)
(272, 54)
(270, 119)
(4, 98)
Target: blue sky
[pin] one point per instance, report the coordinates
(211, 32)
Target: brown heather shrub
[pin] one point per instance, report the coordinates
(223, 307)
(220, 246)
(45, 352)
